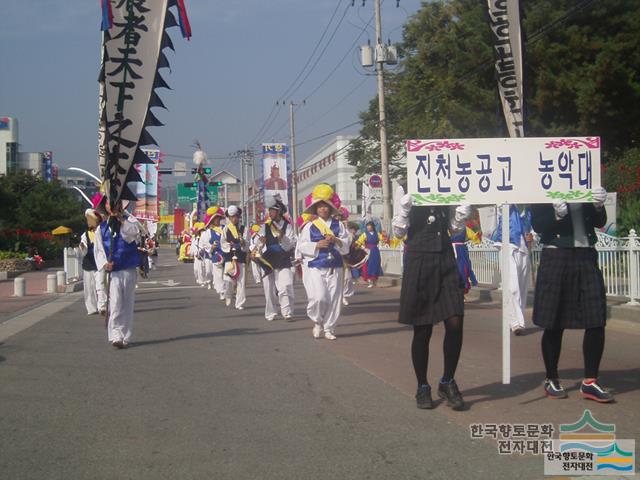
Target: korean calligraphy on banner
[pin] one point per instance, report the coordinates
(502, 170)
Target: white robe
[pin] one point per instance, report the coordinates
(278, 285)
(323, 285)
(122, 285)
(95, 293)
(235, 286)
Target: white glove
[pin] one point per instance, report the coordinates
(406, 202)
(463, 212)
(561, 208)
(599, 196)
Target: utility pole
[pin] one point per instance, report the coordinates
(294, 173)
(384, 160)
(253, 185)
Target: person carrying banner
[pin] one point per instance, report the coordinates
(570, 289)
(95, 295)
(275, 243)
(209, 244)
(432, 291)
(520, 238)
(234, 248)
(322, 243)
(116, 251)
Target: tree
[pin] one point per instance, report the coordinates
(29, 203)
(581, 61)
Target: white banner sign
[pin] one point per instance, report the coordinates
(502, 170)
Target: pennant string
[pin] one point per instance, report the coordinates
(107, 15)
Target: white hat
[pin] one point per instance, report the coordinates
(233, 210)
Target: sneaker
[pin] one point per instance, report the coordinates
(227, 302)
(329, 336)
(317, 331)
(117, 344)
(288, 318)
(449, 391)
(553, 389)
(593, 391)
(423, 397)
(222, 296)
(518, 331)
(239, 308)
(345, 302)
(271, 319)
(208, 286)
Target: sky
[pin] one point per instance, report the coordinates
(242, 58)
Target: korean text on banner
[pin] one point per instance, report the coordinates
(483, 171)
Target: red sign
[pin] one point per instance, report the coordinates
(375, 181)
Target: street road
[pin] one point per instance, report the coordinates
(209, 392)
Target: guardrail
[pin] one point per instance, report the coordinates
(72, 264)
(619, 259)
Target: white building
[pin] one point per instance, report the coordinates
(8, 145)
(330, 164)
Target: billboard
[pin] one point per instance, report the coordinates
(47, 166)
(147, 190)
(275, 171)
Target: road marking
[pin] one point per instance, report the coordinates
(22, 322)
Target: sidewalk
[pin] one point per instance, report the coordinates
(36, 288)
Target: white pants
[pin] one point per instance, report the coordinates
(238, 285)
(324, 291)
(256, 272)
(519, 281)
(349, 284)
(198, 270)
(152, 263)
(122, 295)
(217, 273)
(95, 295)
(208, 270)
(278, 289)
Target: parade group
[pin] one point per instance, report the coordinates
(327, 251)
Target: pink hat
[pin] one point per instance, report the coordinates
(344, 213)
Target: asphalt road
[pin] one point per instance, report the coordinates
(208, 392)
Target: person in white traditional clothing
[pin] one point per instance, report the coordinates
(276, 241)
(322, 243)
(116, 252)
(198, 254)
(209, 243)
(235, 249)
(254, 244)
(520, 238)
(95, 295)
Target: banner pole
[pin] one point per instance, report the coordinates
(506, 296)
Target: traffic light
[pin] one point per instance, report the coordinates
(217, 184)
(207, 170)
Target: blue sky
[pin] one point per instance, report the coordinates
(243, 56)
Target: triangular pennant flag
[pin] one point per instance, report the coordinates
(156, 101)
(141, 158)
(146, 138)
(152, 120)
(160, 83)
(170, 20)
(163, 61)
(167, 42)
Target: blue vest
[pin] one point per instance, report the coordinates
(371, 238)
(125, 255)
(215, 237)
(323, 260)
(519, 225)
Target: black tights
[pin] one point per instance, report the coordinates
(451, 346)
(592, 348)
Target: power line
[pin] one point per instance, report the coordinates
(266, 123)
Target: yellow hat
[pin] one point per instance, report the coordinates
(255, 228)
(321, 193)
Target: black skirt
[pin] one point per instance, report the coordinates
(432, 289)
(569, 290)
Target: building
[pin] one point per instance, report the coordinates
(8, 145)
(76, 180)
(330, 164)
